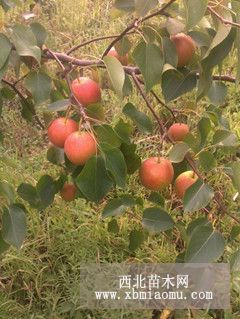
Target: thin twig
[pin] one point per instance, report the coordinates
(138, 85)
(23, 98)
(135, 24)
(224, 21)
(92, 41)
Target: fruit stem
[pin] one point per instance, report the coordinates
(80, 124)
(68, 113)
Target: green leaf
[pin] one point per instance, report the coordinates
(7, 191)
(46, 190)
(225, 138)
(205, 246)
(116, 165)
(7, 4)
(40, 33)
(14, 226)
(118, 206)
(55, 155)
(197, 196)
(178, 152)
(204, 128)
(25, 42)
(95, 111)
(207, 161)
(113, 226)
(217, 93)
(157, 198)
(149, 59)
(234, 173)
(3, 70)
(123, 46)
(94, 181)
(235, 232)
(235, 261)
(218, 53)
(195, 11)
(39, 84)
(201, 221)
(106, 135)
(142, 7)
(124, 130)
(156, 219)
(136, 239)
(142, 121)
(6, 48)
(116, 74)
(3, 245)
(201, 38)
(175, 84)
(132, 160)
(169, 51)
(125, 5)
(60, 105)
(29, 193)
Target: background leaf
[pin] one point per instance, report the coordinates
(142, 121)
(195, 11)
(136, 238)
(14, 226)
(118, 206)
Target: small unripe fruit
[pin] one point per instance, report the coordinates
(86, 91)
(178, 131)
(80, 147)
(121, 58)
(184, 181)
(68, 192)
(185, 48)
(60, 129)
(156, 173)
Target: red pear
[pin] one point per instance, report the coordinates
(178, 131)
(184, 181)
(86, 91)
(79, 147)
(156, 173)
(68, 192)
(60, 129)
(185, 48)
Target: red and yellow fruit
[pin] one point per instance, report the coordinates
(156, 173)
(121, 58)
(86, 91)
(184, 181)
(60, 129)
(185, 48)
(80, 147)
(68, 192)
(178, 131)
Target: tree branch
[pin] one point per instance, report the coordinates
(23, 98)
(224, 21)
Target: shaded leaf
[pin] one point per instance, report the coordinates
(142, 121)
(118, 206)
(14, 226)
(157, 198)
(25, 42)
(142, 6)
(149, 59)
(3, 245)
(156, 219)
(116, 73)
(205, 246)
(197, 196)
(217, 93)
(39, 84)
(195, 11)
(207, 161)
(136, 238)
(46, 190)
(235, 261)
(178, 152)
(60, 105)
(204, 128)
(40, 33)
(124, 130)
(6, 48)
(225, 138)
(55, 155)
(125, 5)
(107, 135)
(94, 181)
(113, 226)
(132, 160)
(116, 165)
(7, 191)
